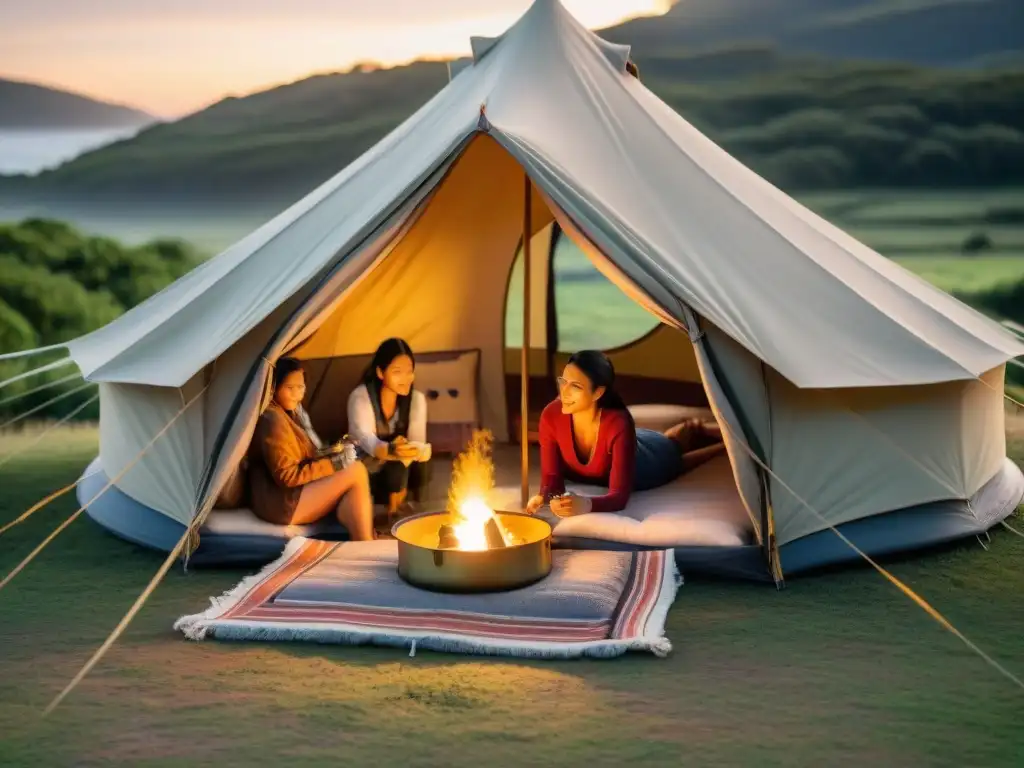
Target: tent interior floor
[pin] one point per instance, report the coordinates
(700, 507)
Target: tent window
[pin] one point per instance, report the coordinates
(592, 312)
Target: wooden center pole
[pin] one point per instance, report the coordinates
(524, 405)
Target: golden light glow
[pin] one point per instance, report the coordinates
(472, 481)
(474, 514)
(172, 65)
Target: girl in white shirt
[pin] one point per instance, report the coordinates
(388, 420)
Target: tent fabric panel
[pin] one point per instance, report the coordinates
(855, 453)
(659, 303)
(167, 474)
(724, 406)
(744, 377)
(828, 273)
(912, 528)
(664, 353)
(982, 416)
(540, 260)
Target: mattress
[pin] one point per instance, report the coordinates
(700, 508)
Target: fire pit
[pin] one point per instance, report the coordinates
(469, 547)
(522, 558)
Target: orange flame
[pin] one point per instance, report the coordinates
(472, 481)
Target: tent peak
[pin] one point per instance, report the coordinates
(550, 15)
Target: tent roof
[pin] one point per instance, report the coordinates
(684, 220)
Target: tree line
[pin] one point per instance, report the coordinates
(58, 283)
(867, 126)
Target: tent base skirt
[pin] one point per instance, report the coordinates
(895, 532)
(910, 528)
(133, 521)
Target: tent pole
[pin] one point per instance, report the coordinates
(524, 404)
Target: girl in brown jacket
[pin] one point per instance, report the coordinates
(291, 482)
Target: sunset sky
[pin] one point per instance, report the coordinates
(175, 56)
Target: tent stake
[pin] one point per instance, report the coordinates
(524, 404)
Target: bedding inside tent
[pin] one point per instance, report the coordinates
(701, 510)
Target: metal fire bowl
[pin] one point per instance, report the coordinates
(423, 564)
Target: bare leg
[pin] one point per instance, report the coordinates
(396, 500)
(695, 458)
(698, 442)
(346, 494)
(687, 434)
(713, 431)
(355, 510)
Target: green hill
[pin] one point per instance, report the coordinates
(803, 119)
(271, 146)
(925, 32)
(27, 106)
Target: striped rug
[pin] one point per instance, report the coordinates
(594, 603)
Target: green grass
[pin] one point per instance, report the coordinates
(955, 273)
(880, 205)
(835, 669)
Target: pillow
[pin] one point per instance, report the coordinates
(450, 382)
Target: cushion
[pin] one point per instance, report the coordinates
(244, 522)
(701, 508)
(450, 383)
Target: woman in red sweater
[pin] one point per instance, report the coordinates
(588, 436)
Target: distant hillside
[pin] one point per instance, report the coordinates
(271, 146)
(31, 107)
(800, 118)
(926, 32)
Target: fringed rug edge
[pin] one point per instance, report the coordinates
(193, 625)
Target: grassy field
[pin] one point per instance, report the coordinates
(837, 669)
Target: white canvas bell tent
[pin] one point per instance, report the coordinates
(871, 400)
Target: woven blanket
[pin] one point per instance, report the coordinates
(593, 603)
